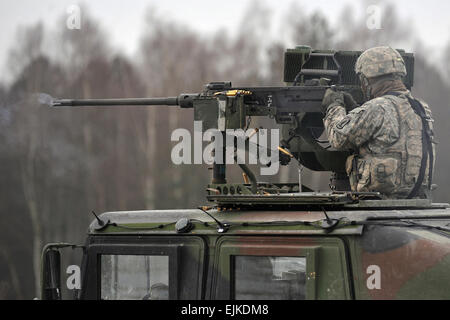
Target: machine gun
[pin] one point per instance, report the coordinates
(296, 107)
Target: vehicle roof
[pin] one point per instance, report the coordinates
(255, 221)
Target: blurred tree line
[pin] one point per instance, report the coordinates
(57, 165)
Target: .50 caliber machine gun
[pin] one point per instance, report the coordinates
(296, 107)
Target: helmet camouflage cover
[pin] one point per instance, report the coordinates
(380, 61)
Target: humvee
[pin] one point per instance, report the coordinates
(266, 241)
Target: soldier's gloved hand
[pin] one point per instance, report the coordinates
(332, 98)
(350, 103)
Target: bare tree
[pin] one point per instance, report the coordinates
(28, 47)
(174, 60)
(313, 30)
(28, 56)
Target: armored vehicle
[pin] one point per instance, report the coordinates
(257, 240)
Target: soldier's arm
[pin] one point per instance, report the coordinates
(350, 131)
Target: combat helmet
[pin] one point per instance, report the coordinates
(380, 61)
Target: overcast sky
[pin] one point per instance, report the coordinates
(124, 20)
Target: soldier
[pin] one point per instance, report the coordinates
(390, 135)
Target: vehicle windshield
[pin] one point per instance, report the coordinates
(272, 278)
(134, 277)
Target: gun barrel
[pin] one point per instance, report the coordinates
(184, 101)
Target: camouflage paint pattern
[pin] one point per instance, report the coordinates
(352, 262)
(409, 264)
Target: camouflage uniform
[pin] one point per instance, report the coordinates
(385, 133)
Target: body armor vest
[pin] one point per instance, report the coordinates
(395, 171)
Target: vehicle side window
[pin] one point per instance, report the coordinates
(134, 277)
(269, 278)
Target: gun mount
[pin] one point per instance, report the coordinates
(296, 107)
